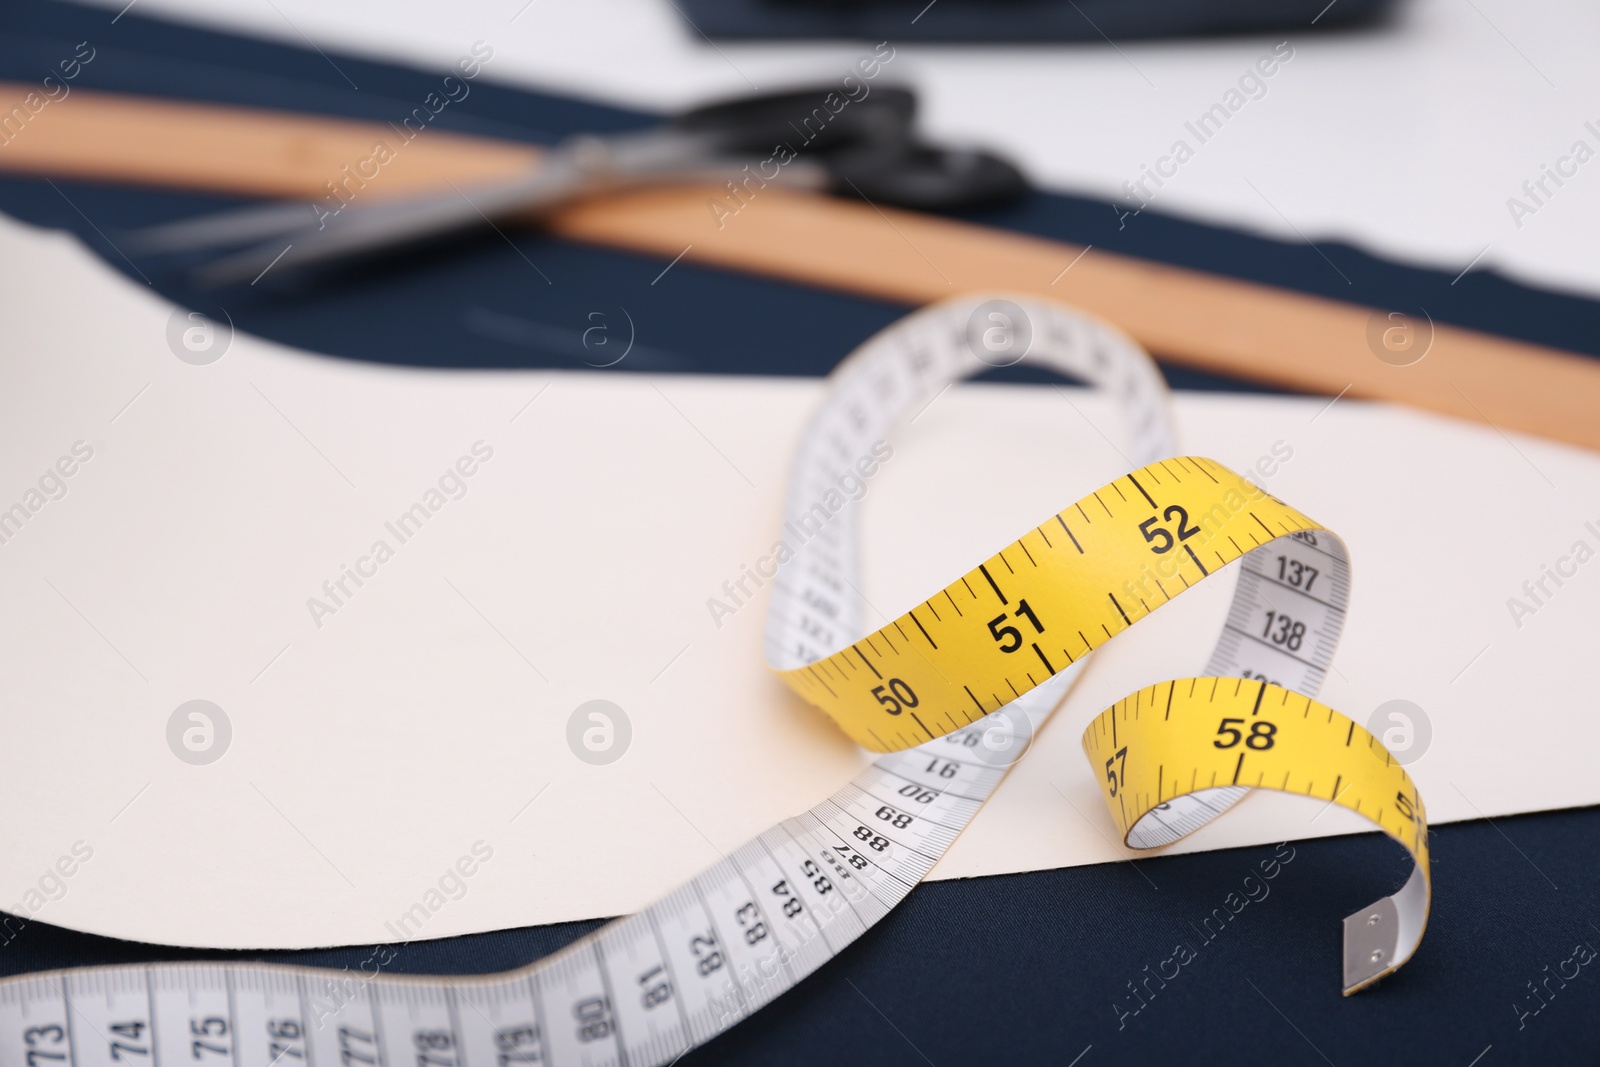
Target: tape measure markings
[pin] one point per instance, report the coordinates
(1054, 595)
(778, 907)
(1310, 742)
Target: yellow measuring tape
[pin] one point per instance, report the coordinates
(1038, 605)
(1079, 579)
(1180, 738)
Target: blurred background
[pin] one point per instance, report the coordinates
(1403, 126)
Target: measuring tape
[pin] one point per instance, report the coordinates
(952, 690)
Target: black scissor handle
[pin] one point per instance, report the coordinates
(926, 178)
(818, 119)
(867, 145)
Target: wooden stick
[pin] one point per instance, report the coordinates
(1187, 317)
(140, 140)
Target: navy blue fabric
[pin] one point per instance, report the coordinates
(965, 21)
(1024, 969)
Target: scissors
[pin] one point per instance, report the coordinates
(865, 148)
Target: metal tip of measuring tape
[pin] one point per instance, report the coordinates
(1371, 944)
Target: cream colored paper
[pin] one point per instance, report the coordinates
(420, 731)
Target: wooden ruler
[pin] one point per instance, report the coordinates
(1187, 317)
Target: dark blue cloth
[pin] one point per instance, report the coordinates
(1022, 969)
(1023, 21)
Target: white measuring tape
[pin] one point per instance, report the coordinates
(643, 990)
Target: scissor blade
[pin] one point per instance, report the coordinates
(584, 165)
(363, 229)
(222, 229)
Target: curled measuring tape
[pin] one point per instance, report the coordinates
(1003, 640)
(986, 658)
